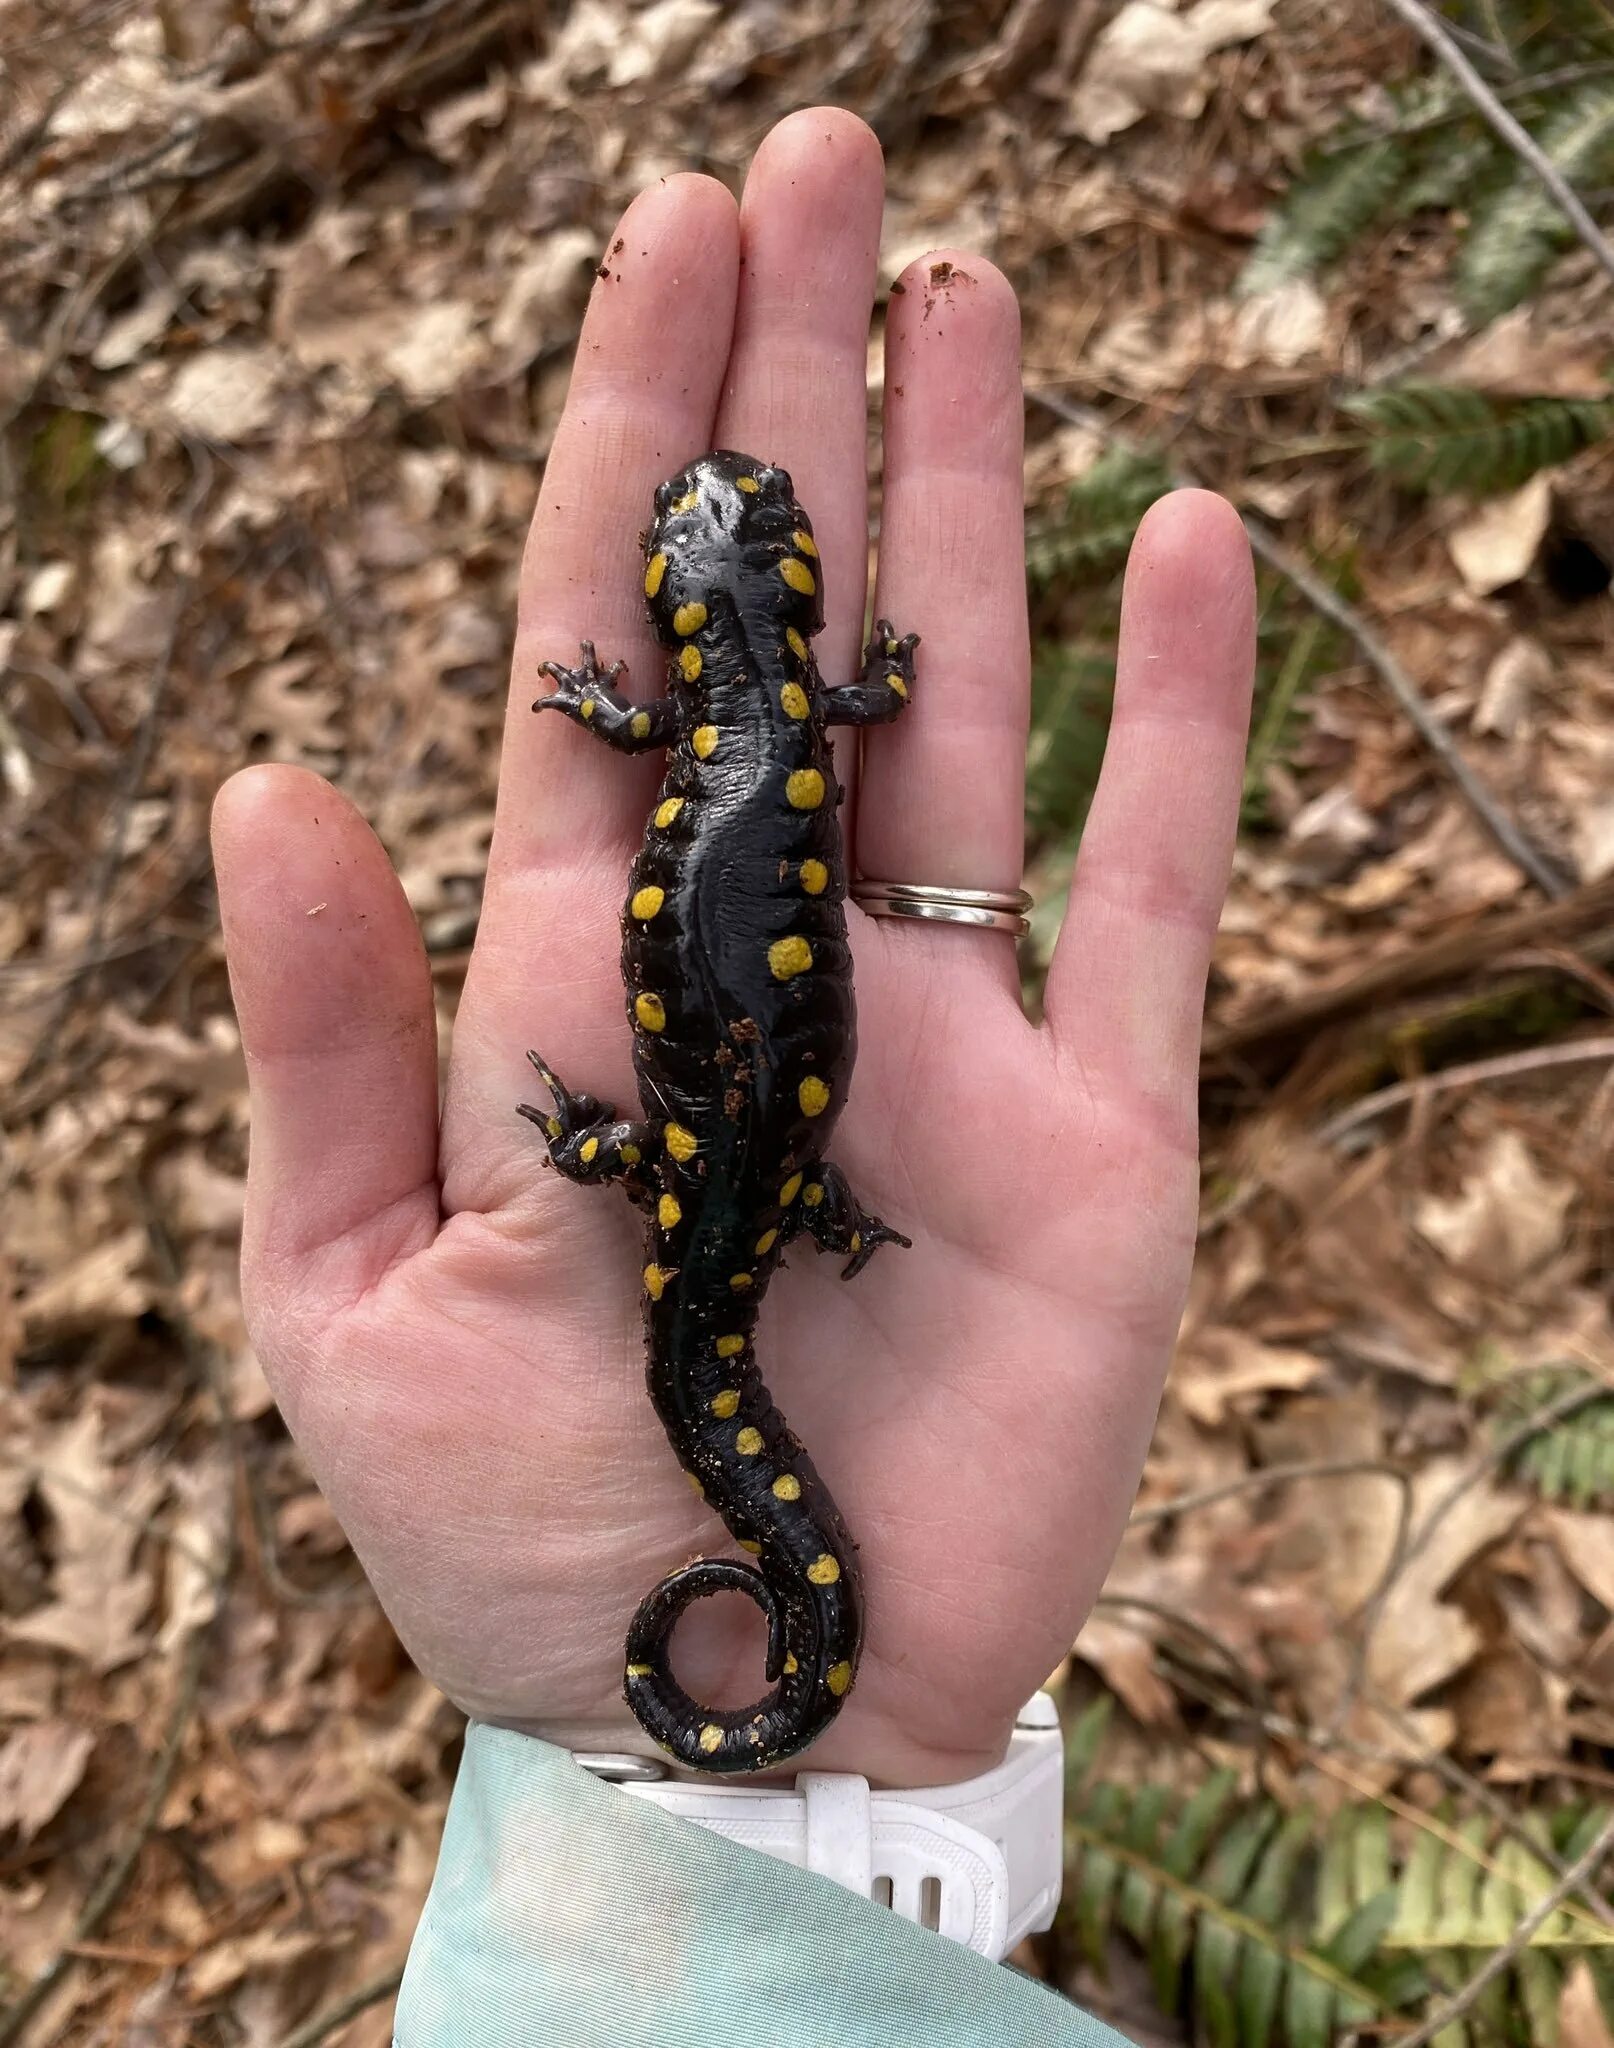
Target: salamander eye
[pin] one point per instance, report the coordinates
(663, 499)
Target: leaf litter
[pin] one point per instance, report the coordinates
(291, 293)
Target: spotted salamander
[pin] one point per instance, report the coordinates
(739, 994)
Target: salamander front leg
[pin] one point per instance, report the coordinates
(589, 1142)
(882, 691)
(589, 697)
(833, 1215)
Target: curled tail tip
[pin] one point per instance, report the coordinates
(810, 1678)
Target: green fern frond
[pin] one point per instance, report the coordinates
(1071, 690)
(1211, 1900)
(1089, 537)
(1516, 234)
(1286, 1930)
(1572, 1460)
(1441, 437)
(1333, 200)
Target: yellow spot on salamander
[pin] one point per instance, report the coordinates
(639, 1670)
(796, 644)
(588, 1150)
(689, 660)
(651, 1012)
(587, 707)
(898, 685)
(813, 1095)
(824, 1570)
(766, 1243)
(689, 618)
(814, 877)
(711, 1737)
(654, 570)
(838, 1678)
(704, 741)
(740, 1282)
(814, 1194)
(749, 1543)
(748, 484)
(748, 1442)
(647, 901)
(639, 725)
(669, 1212)
(857, 1240)
(654, 1281)
(681, 1143)
(804, 791)
(725, 1403)
(686, 503)
(798, 575)
(730, 1347)
(790, 1190)
(805, 543)
(630, 1154)
(794, 700)
(668, 810)
(787, 1486)
(790, 1667)
(695, 1484)
(789, 956)
(552, 1126)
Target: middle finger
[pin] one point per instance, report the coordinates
(797, 387)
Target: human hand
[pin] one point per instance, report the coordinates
(454, 1332)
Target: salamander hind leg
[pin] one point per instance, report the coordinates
(588, 1141)
(833, 1215)
(589, 697)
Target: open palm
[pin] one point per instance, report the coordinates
(454, 1331)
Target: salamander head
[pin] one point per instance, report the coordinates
(727, 526)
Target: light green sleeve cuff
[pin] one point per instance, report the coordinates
(565, 1914)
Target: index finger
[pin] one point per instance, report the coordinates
(644, 392)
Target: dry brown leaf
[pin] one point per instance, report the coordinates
(1150, 59)
(1581, 2023)
(1508, 1219)
(1421, 1639)
(101, 1600)
(41, 1767)
(101, 1285)
(1498, 544)
(225, 394)
(1222, 1366)
(1513, 683)
(1584, 1544)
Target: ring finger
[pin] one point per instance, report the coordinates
(943, 794)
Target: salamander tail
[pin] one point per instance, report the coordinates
(814, 1634)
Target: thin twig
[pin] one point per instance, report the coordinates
(1502, 1959)
(1504, 1067)
(1322, 596)
(1437, 34)
(324, 2024)
(1521, 89)
(1497, 1455)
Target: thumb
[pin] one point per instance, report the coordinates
(334, 998)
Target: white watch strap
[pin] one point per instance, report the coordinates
(980, 1861)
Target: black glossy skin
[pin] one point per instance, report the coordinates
(739, 994)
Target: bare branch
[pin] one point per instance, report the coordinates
(1322, 596)
(1437, 34)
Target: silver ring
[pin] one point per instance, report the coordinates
(996, 910)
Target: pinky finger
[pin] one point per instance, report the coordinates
(1126, 990)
